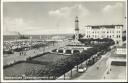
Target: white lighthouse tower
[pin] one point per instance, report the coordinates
(75, 41)
(76, 29)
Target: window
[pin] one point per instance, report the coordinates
(107, 36)
(117, 36)
(60, 51)
(54, 50)
(117, 42)
(68, 51)
(103, 32)
(95, 36)
(76, 51)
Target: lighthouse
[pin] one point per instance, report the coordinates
(75, 41)
(76, 29)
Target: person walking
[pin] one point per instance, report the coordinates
(97, 67)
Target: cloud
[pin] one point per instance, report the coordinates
(11, 26)
(53, 31)
(75, 10)
(14, 25)
(116, 8)
(107, 8)
(61, 20)
(114, 12)
(65, 16)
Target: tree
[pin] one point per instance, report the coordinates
(91, 41)
(80, 36)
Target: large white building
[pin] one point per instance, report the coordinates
(114, 32)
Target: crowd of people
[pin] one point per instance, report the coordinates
(20, 45)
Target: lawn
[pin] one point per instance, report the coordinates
(24, 68)
(34, 67)
(51, 57)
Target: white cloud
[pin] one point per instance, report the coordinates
(65, 16)
(114, 14)
(62, 19)
(107, 8)
(52, 31)
(72, 11)
(118, 7)
(14, 25)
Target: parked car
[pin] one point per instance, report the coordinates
(82, 69)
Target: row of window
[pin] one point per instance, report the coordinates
(108, 36)
(103, 32)
(117, 27)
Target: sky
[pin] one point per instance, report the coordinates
(58, 17)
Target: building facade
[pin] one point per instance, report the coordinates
(114, 32)
(121, 50)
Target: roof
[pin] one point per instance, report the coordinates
(118, 56)
(71, 47)
(75, 47)
(123, 46)
(100, 26)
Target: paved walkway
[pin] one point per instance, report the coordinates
(93, 73)
(117, 73)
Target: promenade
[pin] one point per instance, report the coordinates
(92, 72)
